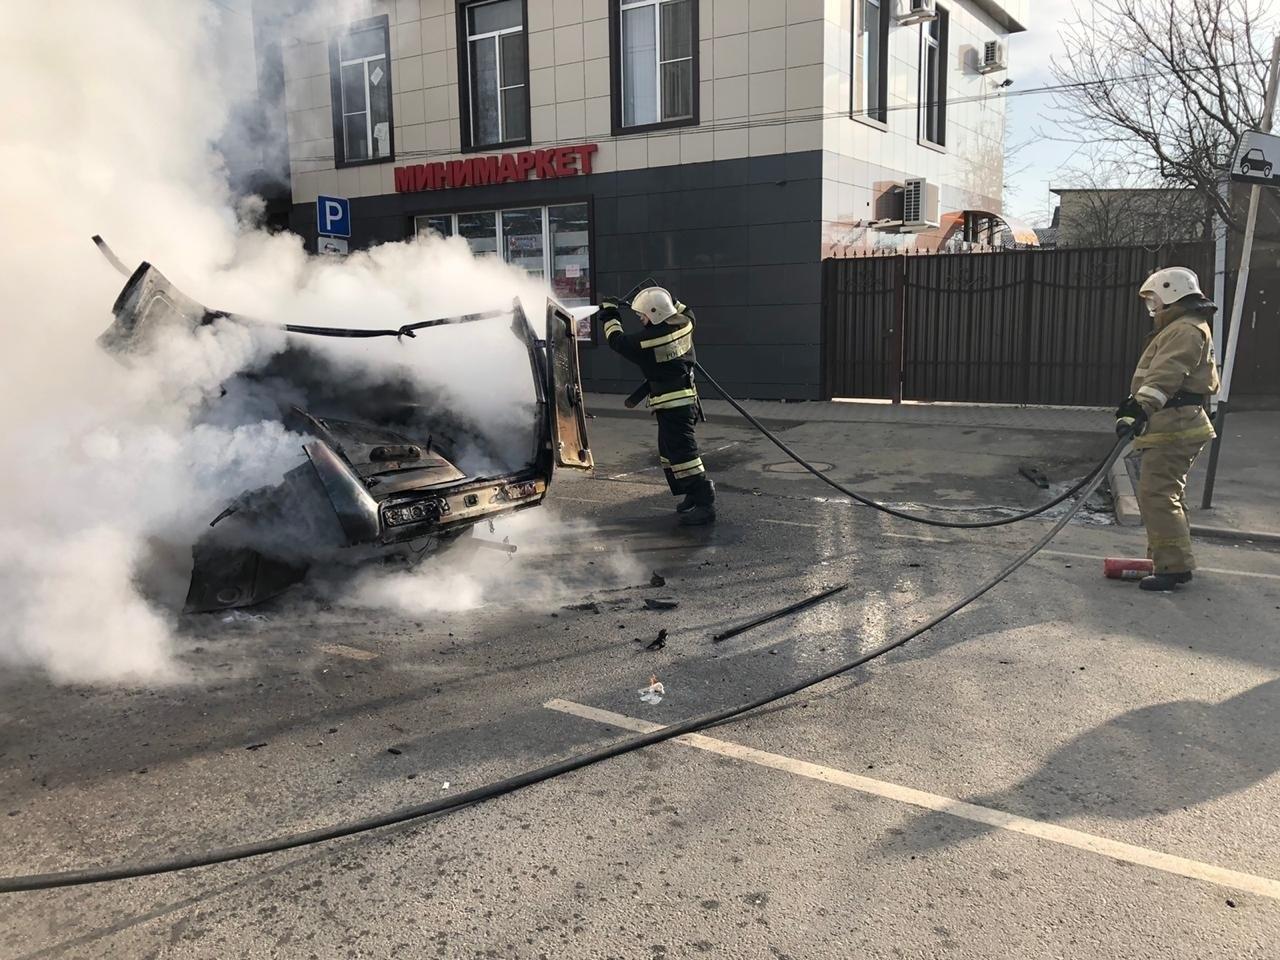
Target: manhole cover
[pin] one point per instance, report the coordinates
(790, 466)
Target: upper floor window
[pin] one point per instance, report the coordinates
(496, 64)
(655, 63)
(360, 79)
(933, 79)
(871, 59)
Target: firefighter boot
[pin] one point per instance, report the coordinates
(699, 515)
(1164, 582)
(691, 500)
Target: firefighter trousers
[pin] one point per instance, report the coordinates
(1162, 485)
(678, 454)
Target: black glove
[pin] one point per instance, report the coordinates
(608, 311)
(1130, 418)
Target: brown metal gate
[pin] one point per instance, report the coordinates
(1037, 327)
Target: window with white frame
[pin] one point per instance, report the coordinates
(546, 242)
(362, 93)
(933, 79)
(497, 72)
(871, 59)
(656, 43)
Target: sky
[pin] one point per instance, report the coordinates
(1027, 196)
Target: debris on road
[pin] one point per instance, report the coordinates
(394, 751)
(256, 746)
(659, 642)
(1035, 475)
(654, 604)
(657, 580)
(654, 693)
(591, 605)
(239, 616)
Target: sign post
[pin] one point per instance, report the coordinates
(333, 225)
(1257, 162)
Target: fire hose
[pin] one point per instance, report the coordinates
(884, 507)
(125, 870)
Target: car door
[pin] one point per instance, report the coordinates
(565, 406)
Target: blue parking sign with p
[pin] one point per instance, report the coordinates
(333, 216)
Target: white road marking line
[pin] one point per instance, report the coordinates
(351, 653)
(1222, 570)
(1053, 833)
(619, 476)
(1084, 556)
(791, 523)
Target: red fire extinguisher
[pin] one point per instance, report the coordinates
(1119, 568)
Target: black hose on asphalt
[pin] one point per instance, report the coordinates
(884, 507)
(67, 878)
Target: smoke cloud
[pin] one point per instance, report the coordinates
(109, 465)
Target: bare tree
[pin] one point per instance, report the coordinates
(1167, 85)
(1108, 203)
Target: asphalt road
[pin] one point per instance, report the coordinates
(1069, 768)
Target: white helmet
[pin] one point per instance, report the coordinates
(654, 304)
(1168, 286)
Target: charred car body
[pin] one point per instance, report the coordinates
(382, 479)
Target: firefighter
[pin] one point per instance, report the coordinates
(1166, 412)
(663, 349)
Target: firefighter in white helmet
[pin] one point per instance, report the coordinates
(663, 349)
(1166, 412)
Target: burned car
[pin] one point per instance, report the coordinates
(384, 476)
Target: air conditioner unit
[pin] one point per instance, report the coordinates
(916, 11)
(919, 205)
(995, 56)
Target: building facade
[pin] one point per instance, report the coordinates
(723, 147)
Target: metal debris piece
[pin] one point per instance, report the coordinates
(394, 751)
(657, 580)
(591, 605)
(659, 642)
(1035, 475)
(256, 746)
(651, 603)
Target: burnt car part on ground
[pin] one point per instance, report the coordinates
(384, 477)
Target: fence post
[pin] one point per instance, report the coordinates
(897, 345)
(1028, 325)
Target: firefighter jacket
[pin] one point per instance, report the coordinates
(1178, 365)
(664, 353)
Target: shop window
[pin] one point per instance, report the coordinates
(655, 44)
(360, 81)
(933, 79)
(440, 226)
(494, 86)
(546, 242)
(480, 231)
(871, 60)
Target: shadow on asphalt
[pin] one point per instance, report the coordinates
(1141, 764)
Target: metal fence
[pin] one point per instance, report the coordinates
(1042, 327)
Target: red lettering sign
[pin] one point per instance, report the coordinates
(548, 164)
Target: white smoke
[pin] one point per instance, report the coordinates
(111, 113)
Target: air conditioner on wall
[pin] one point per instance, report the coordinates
(916, 11)
(920, 206)
(995, 56)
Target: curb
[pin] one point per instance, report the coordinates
(1122, 493)
(1225, 533)
(1128, 514)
